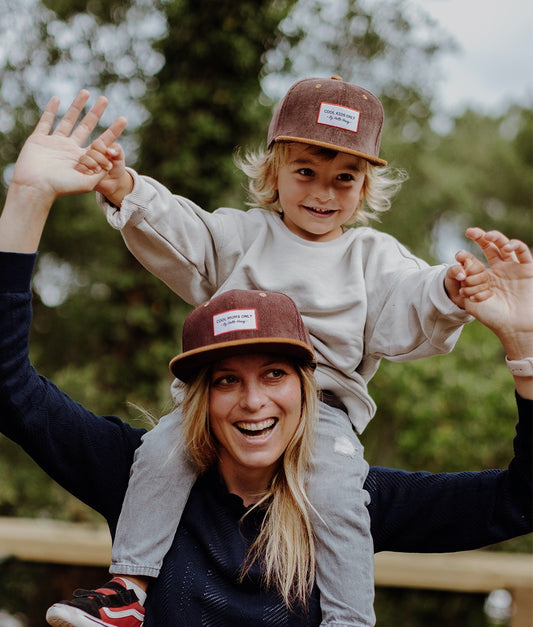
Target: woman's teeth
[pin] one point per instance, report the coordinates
(255, 428)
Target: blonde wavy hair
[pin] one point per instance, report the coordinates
(285, 544)
(262, 169)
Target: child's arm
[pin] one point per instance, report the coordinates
(99, 157)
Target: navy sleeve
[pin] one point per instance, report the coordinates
(89, 455)
(422, 512)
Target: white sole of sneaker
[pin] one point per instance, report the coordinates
(61, 615)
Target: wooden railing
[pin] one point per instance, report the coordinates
(470, 571)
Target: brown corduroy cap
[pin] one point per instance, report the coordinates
(331, 113)
(240, 322)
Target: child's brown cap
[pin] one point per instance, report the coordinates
(331, 113)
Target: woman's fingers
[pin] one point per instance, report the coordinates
(80, 131)
(490, 242)
(113, 131)
(498, 247)
(68, 121)
(520, 250)
(89, 122)
(47, 118)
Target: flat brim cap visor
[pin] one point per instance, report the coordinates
(330, 113)
(186, 365)
(241, 322)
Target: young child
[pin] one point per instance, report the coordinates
(362, 295)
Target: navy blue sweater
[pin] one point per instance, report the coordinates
(91, 456)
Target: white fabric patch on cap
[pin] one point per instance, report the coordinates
(339, 116)
(234, 320)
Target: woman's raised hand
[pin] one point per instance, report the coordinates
(47, 168)
(507, 287)
(47, 162)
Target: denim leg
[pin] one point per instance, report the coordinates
(345, 552)
(160, 482)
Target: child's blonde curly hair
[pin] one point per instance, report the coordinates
(262, 168)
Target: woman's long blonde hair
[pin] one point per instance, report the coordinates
(262, 168)
(285, 544)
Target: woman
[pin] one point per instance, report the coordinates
(211, 571)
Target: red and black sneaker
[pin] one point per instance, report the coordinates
(112, 605)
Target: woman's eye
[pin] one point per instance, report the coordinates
(276, 373)
(227, 379)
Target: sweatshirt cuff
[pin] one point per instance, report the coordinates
(443, 303)
(16, 271)
(133, 206)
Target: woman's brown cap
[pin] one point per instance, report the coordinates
(240, 322)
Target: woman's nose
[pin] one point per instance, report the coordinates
(252, 397)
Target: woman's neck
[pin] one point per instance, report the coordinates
(250, 484)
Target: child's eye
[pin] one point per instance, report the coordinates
(305, 172)
(346, 176)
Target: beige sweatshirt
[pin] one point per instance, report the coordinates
(363, 296)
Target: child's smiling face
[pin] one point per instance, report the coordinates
(317, 193)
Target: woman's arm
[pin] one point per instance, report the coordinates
(424, 512)
(88, 455)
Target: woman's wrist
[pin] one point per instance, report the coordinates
(518, 345)
(520, 367)
(522, 371)
(23, 218)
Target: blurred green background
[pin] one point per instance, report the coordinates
(197, 79)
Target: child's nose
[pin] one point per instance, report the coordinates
(324, 193)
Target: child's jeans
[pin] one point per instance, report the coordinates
(162, 478)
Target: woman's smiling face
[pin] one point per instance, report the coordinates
(254, 411)
(317, 193)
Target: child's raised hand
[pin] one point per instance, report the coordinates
(47, 164)
(98, 158)
(466, 280)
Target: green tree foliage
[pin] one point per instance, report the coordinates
(188, 74)
(113, 327)
(207, 100)
(479, 173)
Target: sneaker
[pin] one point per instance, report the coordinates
(112, 605)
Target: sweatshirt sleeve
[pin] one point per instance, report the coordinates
(409, 316)
(172, 237)
(421, 512)
(88, 455)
